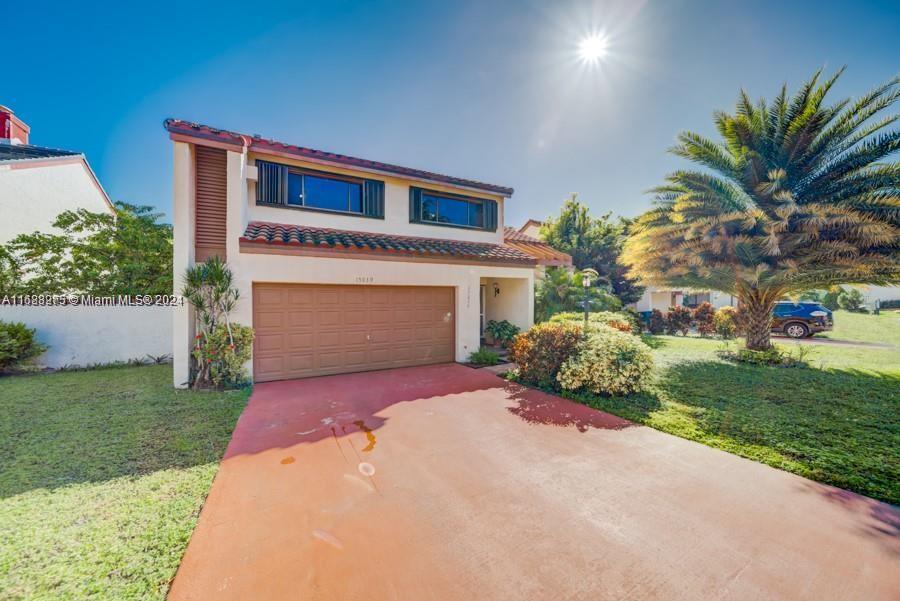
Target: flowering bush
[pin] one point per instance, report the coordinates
(704, 319)
(541, 351)
(223, 352)
(725, 322)
(608, 362)
(656, 324)
(678, 320)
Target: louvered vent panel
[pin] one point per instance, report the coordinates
(211, 203)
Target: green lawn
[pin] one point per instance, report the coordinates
(102, 477)
(860, 327)
(838, 422)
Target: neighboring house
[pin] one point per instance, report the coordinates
(532, 229)
(38, 183)
(879, 294)
(663, 298)
(343, 264)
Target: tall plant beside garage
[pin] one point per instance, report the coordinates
(220, 347)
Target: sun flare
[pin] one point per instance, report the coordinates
(593, 48)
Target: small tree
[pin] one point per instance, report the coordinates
(852, 300)
(561, 291)
(704, 319)
(208, 287)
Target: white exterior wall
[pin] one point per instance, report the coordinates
(277, 268)
(32, 196)
(879, 293)
(81, 336)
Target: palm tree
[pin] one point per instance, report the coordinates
(794, 197)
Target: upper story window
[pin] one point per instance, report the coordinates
(319, 191)
(439, 208)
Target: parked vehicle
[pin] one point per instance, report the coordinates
(802, 319)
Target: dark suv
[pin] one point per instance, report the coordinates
(799, 320)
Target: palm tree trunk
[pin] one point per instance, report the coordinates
(759, 321)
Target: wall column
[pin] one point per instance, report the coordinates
(182, 257)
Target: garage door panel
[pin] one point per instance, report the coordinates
(270, 320)
(269, 342)
(299, 297)
(326, 318)
(307, 330)
(300, 318)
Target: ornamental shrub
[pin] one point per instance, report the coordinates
(608, 362)
(600, 318)
(17, 344)
(704, 318)
(725, 322)
(224, 351)
(656, 324)
(678, 320)
(502, 331)
(541, 351)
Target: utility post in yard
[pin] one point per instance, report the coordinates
(586, 276)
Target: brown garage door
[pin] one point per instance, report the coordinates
(307, 330)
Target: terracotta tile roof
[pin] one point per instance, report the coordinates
(538, 249)
(258, 144)
(259, 232)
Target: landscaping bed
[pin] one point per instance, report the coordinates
(103, 477)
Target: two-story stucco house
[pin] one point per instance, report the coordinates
(343, 264)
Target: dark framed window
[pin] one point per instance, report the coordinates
(318, 191)
(451, 210)
(327, 193)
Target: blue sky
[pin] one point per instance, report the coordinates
(479, 89)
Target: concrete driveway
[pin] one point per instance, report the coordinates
(445, 482)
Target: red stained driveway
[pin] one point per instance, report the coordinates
(444, 482)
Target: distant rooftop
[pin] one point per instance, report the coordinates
(24, 152)
(259, 144)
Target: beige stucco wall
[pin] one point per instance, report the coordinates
(513, 303)
(31, 198)
(253, 267)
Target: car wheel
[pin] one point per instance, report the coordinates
(796, 330)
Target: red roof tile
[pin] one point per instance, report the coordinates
(259, 232)
(258, 144)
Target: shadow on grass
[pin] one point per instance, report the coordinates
(835, 426)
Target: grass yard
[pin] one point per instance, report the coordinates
(860, 327)
(838, 422)
(102, 478)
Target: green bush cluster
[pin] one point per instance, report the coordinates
(484, 356)
(17, 344)
(501, 331)
(725, 322)
(608, 362)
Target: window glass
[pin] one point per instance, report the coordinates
(452, 210)
(429, 208)
(355, 191)
(476, 214)
(295, 189)
(324, 193)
